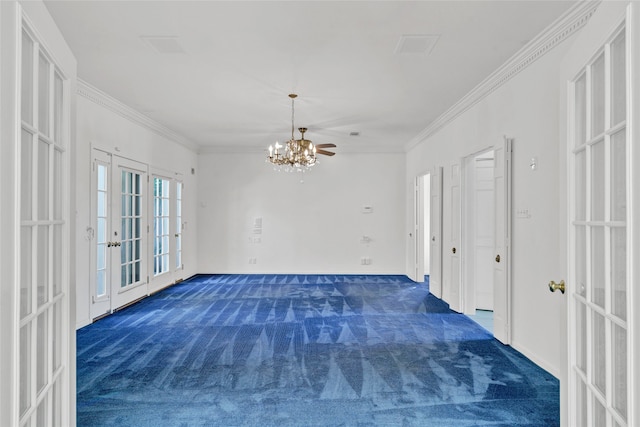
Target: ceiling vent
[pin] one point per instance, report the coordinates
(416, 44)
(163, 44)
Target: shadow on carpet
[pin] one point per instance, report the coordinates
(311, 350)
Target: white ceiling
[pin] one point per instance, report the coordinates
(228, 88)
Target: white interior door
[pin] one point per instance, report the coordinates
(502, 242)
(418, 228)
(452, 282)
(435, 261)
(600, 327)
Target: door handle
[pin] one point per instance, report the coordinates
(498, 258)
(453, 250)
(109, 244)
(433, 238)
(553, 286)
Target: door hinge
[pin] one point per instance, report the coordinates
(147, 228)
(147, 279)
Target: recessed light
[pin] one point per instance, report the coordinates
(354, 133)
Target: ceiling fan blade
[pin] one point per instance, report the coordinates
(326, 153)
(326, 145)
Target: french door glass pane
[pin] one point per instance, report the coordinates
(57, 185)
(597, 97)
(581, 186)
(599, 414)
(619, 272)
(618, 83)
(581, 110)
(43, 180)
(42, 351)
(43, 95)
(25, 368)
(581, 403)
(43, 264)
(26, 173)
(26, 276)
(41, 415)
(57, 108)
(597, 266)
(57, 259)
(56, 338)
(618, 177)
(597, 181)
(619, 346)
(599, 353)
(581, 258)
(26, 98)
(55, 397)
(581, 337)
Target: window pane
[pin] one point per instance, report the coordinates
(101, 283)
(25, 270)
(619, 347)
(581, 337)
(43, 180)
(599, 414)
(43, 264)
(581, 110)
(581, 260)
(42, 351)
(618, 83)
(581, 404)
(581, 186)
(27, 79)
(25, 368)
(56, 339)
(57, 185)
(57, 259)
(57, 112)
(618, 177)
(41, 414)
(619, 272)
(26, 175)
(43, 95)
(599, 353)
(597, 97)
(597, 266)
(597, 181)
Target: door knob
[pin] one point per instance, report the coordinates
(108, 244)
(553, 286)
(498, 258)
(433, 239)
(453, 250)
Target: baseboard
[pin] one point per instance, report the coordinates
(531, 355)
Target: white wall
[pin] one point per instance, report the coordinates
(526, 109)
(310, 227)
(102, 127)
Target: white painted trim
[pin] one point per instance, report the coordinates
(556, 33)
(101, 98)
(533, 356)
(359, 149)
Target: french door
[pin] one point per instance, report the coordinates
(120, 233)
(600, 329)
(435, 240)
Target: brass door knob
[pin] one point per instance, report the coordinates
(553, 286)
(453, 250)
(498, 258)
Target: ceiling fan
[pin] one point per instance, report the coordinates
(319, 147)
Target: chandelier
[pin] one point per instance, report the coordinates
(296, 154)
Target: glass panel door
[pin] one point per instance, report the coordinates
(44, 322)
(101, 251)
(161, 225)
(128, 233)
(598, 330)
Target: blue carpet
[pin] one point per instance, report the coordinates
(303, 350)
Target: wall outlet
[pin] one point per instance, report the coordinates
(253, 260)
(365, 261)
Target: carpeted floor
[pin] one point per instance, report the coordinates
(287, 350)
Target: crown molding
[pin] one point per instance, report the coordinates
(101, 98)
(565, 26)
